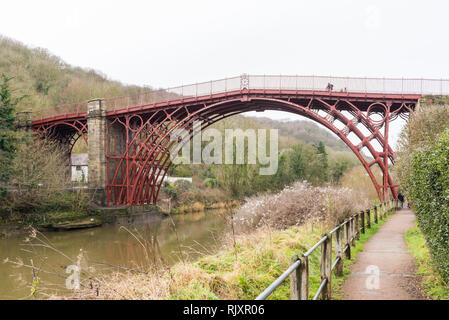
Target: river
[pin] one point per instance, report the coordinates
(195, 234)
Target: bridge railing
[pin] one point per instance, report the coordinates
(60, 110)
(351, 84)
(263, 82)
(344, 237)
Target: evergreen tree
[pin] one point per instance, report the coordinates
(323, 161)
(7, 134)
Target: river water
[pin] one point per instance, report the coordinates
(104, 248)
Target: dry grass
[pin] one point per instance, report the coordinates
(359, 181)
(235, 272)
(195, 207)
(281, 225)
(297, 204)
(247, 262)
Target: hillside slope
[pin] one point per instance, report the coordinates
(304, 130)
(47, 81)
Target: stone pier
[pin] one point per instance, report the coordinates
(96, 122)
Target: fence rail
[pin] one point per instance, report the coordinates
(263, 82)
(349, 231)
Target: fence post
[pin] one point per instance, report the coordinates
(362, 218)
(353, 231)
(380, 209)
(357, 227)
(368, 218)
(338, 252)
(376, 220)
(299, 280)
(295, 281)
(326, 266)
(347, 243)
(304, 287)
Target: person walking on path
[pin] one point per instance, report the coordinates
(401, 198)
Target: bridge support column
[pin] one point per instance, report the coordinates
(96, 122)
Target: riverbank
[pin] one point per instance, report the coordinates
(71, 220)
(105, 249)
(262, 237)
(53, 221)
(199, 206)
(241, 269)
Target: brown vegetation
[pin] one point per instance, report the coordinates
(41, 181)
(296, 205)
(359, 181)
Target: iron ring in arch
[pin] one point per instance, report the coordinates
(377, 113)
(135, 123)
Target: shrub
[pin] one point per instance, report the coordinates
(171, 190)
(40, 179)
(210, 182)
(424, 127)
(428, 190)
(183, 185)
(296, 205)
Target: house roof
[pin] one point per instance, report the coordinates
(80, 159)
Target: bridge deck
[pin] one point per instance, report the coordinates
(305, 87)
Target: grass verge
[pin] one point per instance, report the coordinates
(433, 285)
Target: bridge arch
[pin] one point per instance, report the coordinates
(65, 132)
(138, 173)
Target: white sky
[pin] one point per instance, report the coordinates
(167, 43)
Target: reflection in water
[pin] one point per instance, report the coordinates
(122, 245)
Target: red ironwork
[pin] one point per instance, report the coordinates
(65, 131)
(138, 133)
(137, 173)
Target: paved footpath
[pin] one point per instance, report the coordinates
(385, 254)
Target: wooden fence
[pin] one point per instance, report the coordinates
(345, 235)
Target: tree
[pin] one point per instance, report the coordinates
(323, 161)
(298, 162)
(8, 138)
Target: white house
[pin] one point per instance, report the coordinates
(80, 167)
(175, 179)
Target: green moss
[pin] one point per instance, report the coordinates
(433, 285)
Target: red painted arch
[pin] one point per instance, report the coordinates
(151, 155)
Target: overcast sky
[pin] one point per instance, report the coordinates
(167, 43)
